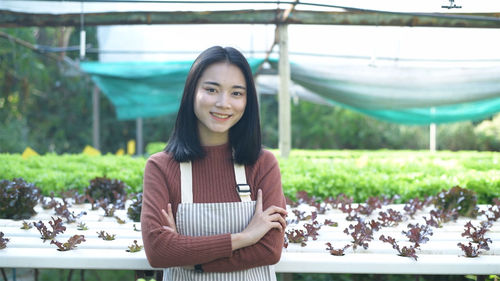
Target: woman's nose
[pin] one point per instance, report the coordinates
(222, 100)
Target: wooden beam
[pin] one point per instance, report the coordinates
(482, 20)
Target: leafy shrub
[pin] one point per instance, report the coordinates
(17, 199)
(13, 135)
(488, 134)
(456, 136)
(323, 173)
(153, 147)
(134, 210)
(59, 173)
(464, 201)
(112, 190)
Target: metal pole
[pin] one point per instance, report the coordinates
(432, 136)
(284, 94)
(95, 118)
(432, 132)
(139, 137)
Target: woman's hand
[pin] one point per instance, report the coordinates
(168, 219)
(261, 223)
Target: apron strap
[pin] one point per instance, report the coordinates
(186, 182)
(242, 187)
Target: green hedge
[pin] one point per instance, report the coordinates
(362, 174)
(62, 172)
(320, 172)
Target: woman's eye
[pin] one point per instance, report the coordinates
(237, 94)
(210, 90)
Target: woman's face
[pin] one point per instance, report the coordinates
(219, 102)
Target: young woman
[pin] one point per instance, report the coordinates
(213, 206)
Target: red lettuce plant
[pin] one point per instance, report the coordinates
(479, 242)
(330, 223)
(494, 211)
(301, 216)
(55, 224)
(321, 207)
(361, 234)
(373, 203)
(82, 226)
(336, 252)
(375, 225)
(413, 206)
(340, 200)
(62, 210)
(134, 247)
(119, 220)
(477, 235)
(390, 218)
(75, 195)
(404, 252)
(463, 200)
(48, 202)
(109, 209)
(115, 191)
(17, 199)
(3, 241)
(105, 236)
(439, 217)
(27, 225)
(352, 213)
(418, 233)
(70, 244)
(134, 210)
(471, 251)
(296, 236)
(312, 229)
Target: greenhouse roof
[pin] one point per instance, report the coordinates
(364, 12)
(392, 91)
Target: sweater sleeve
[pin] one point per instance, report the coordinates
(268, 250)
(165, 248)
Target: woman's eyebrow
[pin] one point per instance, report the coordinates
(218, 85)
(211, 83)
(239, 87)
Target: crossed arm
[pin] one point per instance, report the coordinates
(260, 243)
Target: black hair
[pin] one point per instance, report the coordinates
(244, 136)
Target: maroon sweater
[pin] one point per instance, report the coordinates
(213, 181)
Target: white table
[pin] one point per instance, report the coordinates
(440, 255)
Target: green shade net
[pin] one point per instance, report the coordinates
(397, 94)
(144, 89)
(407, 95)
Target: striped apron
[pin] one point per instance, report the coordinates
(197, 219)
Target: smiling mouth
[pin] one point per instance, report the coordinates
(220, 116)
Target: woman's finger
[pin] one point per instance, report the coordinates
(279, 219)
(170, 214)
(275, 209)
(277, 225)
(258, 204)
(169, 217)
(164, 217)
